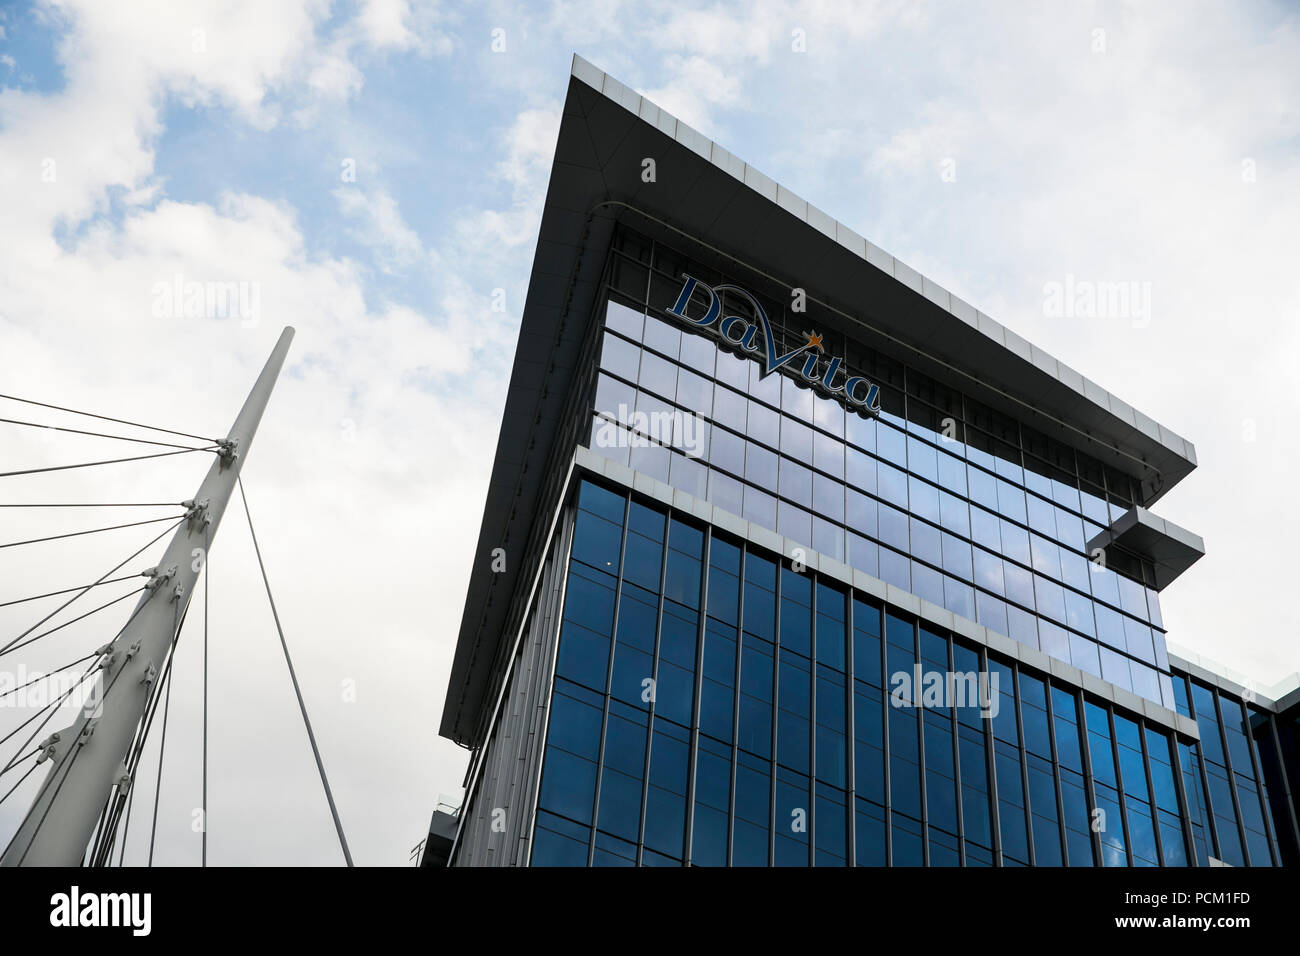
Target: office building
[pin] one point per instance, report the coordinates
(791, 557)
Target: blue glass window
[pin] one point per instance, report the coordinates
(764, 425)
(796, 439)
(793, 818)
(892, 483)
(923, 499)
(828, 498)
(750, 828)
(717, 698)
(893, 527)
(713, 797)
(860, 470)
(860, 430)
(828, 455)
(869, 833)
(796, 482)
(954, 514)
(559, 842)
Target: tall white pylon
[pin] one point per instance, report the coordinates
(89, 758)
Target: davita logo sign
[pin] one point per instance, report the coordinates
(742, 332)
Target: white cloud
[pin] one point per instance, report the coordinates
(398, 25)
(380, 225)
(696, 87)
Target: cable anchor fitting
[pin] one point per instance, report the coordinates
(197, 512)
(159, 577)
(48, 749)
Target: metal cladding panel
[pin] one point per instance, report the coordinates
(702, 193)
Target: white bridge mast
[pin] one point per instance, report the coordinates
(89, 758)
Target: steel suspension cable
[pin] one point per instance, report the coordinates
(207, 547)
(17, 762)
(107, 461)
(106, 418)
(30, 771)
(102, 846)
(46, 676)
(79, 617)
(67, 765)
(136, 750)
(162, 744)
(111, 570)
(78, 431)
(51, 707)
(329, 796)
(87, 857)
(37, 597)
(94, 504)
(77, 534)
(67, 769)
(126, 827)
(101, 656)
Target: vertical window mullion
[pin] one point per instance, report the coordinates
(1232, 777)
(1121, 789)
(609, 678)
(650, 713)
(1151, 791)
(1056, 772)
(1089, 781)
(735, 704)
(885, 747)
(851, 739)
(693, 751)
(1274, 734)
(955, 726)
(990, 761)
(1210, 823)
(1024, 761)
(776, 715)
(812, 719)
(919, 712)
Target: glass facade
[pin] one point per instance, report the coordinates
(1231, 818)
(939, 495)
(712, 706)
(662, 685)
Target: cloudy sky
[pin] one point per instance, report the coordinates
(372, 174)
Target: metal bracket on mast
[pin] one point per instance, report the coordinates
(229, 451)
(196, 513)
(49, 747)
(89, 762)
